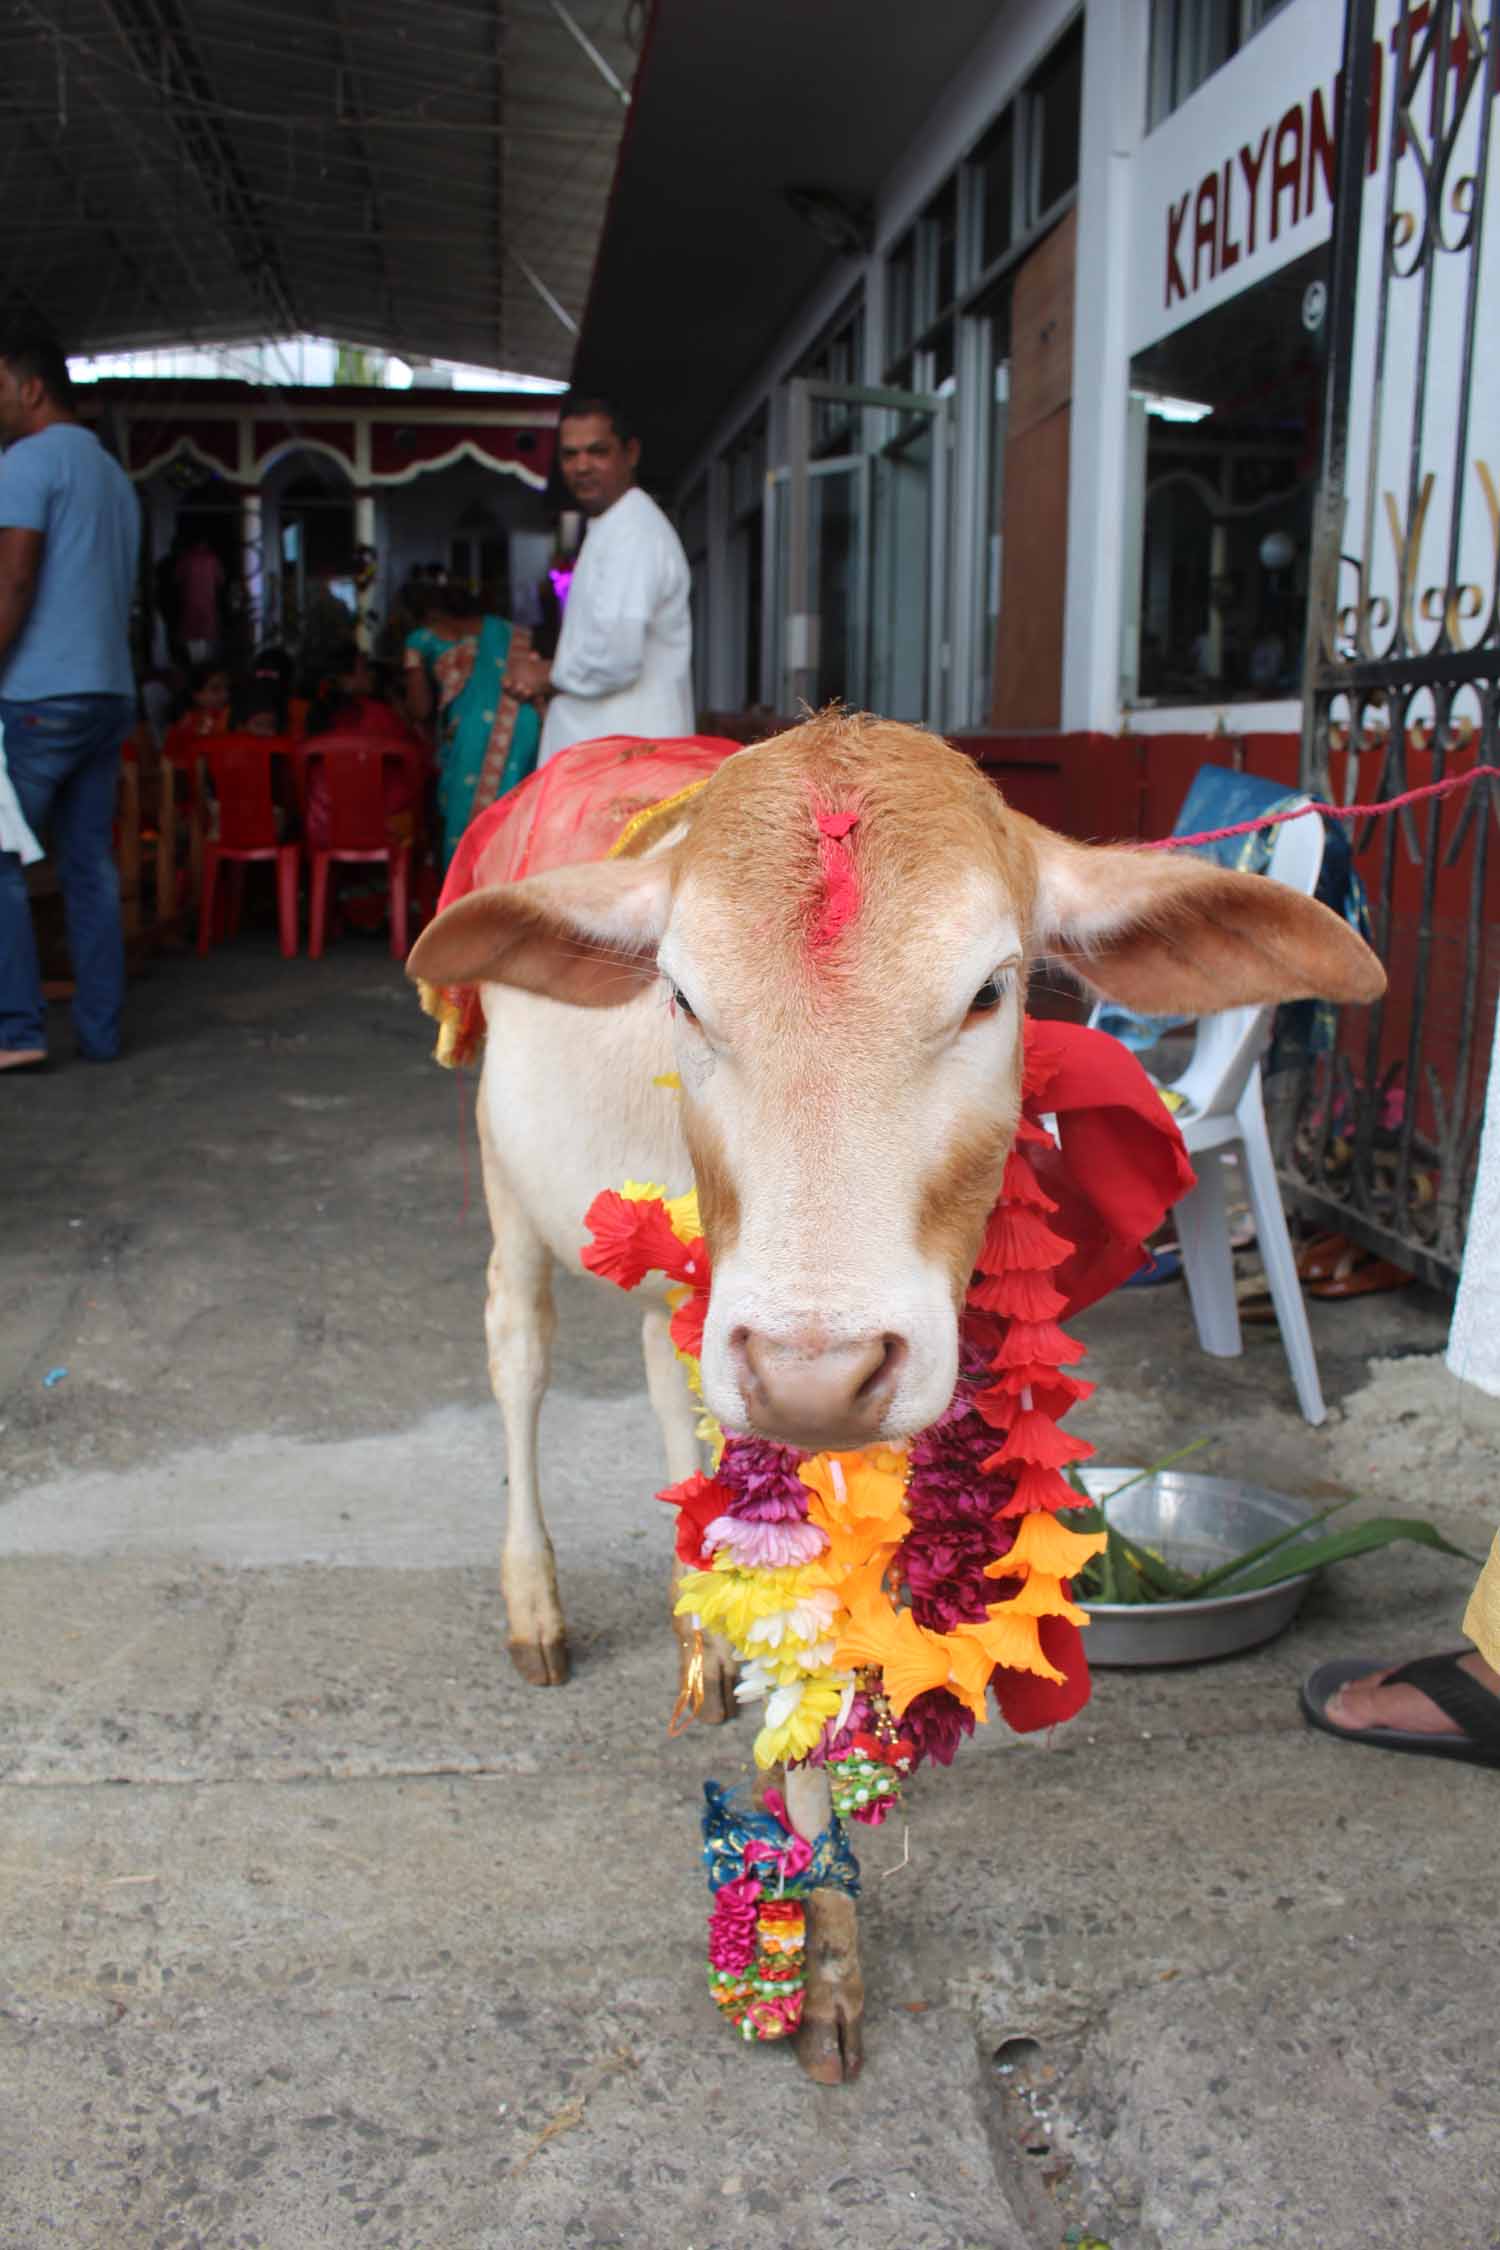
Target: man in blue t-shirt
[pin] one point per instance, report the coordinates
(69, 547)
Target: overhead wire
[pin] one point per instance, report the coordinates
(125, 159)
(419, 119)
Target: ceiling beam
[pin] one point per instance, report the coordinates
(155, 33)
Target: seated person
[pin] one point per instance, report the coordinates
(351, 703)
(260, 708)
(350, 707)
(207, 714)
(273, 669)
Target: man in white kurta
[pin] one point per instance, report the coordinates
(625, 654)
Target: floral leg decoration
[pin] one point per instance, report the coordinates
(876, 1599)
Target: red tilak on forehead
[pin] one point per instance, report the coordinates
(840, 881)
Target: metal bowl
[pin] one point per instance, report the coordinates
(1194, 1523)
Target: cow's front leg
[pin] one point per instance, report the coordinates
(677, 1413)
(830, 2044)
(519, 1321)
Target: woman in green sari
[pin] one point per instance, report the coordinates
(486, 738)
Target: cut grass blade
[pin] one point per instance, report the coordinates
(1211, 1580)
(1123, 1571)
(1140, 1476)
(1338, 1546)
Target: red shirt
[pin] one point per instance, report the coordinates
(185, 738)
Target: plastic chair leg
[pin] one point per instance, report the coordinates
(206, 897)
(400, 864)
(317, 906)
(1276, 1251)
(286, 900)
(1207, 1260)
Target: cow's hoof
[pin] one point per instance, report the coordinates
(707, 1670)
(720, 1673)
(830, 2043)
(542, 1663)
(830, 2048)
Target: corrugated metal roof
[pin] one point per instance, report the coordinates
(431, 178)
(704, 260)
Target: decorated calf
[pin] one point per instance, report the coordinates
(755, 1028)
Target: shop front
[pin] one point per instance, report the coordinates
(1038, 459)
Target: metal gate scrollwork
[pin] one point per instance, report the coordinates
(1402, 671)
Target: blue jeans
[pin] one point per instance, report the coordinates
(63, 756)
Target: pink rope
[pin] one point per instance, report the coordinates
(1330, 812)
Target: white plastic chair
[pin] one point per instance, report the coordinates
(1223, 1110)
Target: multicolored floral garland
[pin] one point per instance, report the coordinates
(876, 1599)
(760, 1872)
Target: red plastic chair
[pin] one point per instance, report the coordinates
(240, 767)
(358, 823)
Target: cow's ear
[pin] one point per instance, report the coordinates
(1168, 934)
(587, 934)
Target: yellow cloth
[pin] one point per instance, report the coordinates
(1482, 1617)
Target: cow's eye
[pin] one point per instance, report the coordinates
(989, 995)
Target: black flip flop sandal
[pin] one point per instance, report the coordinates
(1453, 1690)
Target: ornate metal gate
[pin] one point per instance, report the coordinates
(1402, 673)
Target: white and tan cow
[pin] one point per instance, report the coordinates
(846, 1106)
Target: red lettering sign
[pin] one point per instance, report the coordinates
(1229, 249)
(1206, 227)
(1293, 162)
(1176, 286)
(1286, 168)
(1252, 165)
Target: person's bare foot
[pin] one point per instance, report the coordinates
(1370, 1703)
(18, 1058)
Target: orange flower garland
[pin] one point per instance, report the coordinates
(833, 1610)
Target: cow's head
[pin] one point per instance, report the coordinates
(847, 1010)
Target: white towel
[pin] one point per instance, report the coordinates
(15, 836)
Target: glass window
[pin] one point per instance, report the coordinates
(836, 358)
(990, 321)
(900, 298)
(1058, 89)
(996, 160)
(1191, 39)
(940, 259)
(1221, 522)
(940, 358)
(747, 468)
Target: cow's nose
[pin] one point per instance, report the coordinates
(804, 1390)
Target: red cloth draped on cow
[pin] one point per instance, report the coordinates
(581, 805)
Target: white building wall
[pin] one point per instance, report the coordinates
(1474, 1339)
(1116, 44)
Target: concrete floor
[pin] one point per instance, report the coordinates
(321, 1928)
